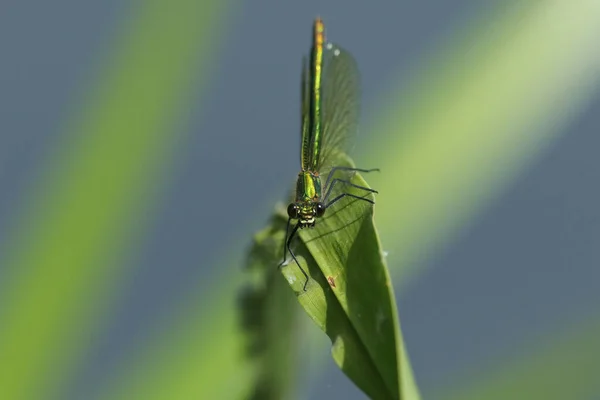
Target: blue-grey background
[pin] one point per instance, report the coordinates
(528, 265)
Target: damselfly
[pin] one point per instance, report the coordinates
(330, 108)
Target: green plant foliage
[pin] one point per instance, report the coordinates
(349, 294)
(269, 317)
(475, 115)
(92, 201)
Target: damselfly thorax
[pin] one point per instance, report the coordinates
(307, 206)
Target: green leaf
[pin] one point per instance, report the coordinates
(474, 117)
(349, 293)
(95, 195)
(269, 319)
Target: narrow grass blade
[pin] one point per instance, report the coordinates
(94, 197)
(269, 315)
(488, 104)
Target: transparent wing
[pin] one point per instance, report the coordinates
(341, 104)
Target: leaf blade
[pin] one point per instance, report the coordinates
(349, 296)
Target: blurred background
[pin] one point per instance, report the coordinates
(142, 143)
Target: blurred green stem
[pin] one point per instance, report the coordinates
(92, 202)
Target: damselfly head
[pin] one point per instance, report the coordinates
(306, 213)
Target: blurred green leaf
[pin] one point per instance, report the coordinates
(269, 314)
(561, 365)
(93, 200)
(202, 359)
(484, 107)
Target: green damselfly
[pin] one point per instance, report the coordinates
(330, 109)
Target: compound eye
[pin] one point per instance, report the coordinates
(320, 209)
(292, 211)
